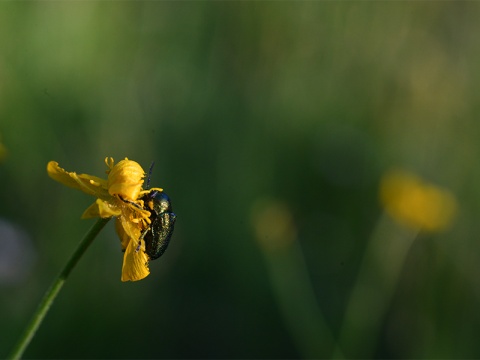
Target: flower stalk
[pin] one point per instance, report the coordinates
(53, 291)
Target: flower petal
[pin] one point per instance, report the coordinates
(91, 185)
(91, 212)
(120, 229)
(126, 179)
(107, 209)
(135, 263)
(101, 208)
(132, 229)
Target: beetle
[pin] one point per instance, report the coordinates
(157, 235)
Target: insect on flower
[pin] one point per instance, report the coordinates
(157, 235)
(144, 223)
(162, 221)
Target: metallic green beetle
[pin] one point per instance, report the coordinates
(157, 235)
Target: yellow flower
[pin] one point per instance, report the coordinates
(117, 196)
(416, 203)
(273, 224)
(3, 152)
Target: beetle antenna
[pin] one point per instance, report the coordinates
(150, 174)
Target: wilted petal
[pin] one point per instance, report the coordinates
(91, 212)
(101, 208)
(91, 185)
(122, 234)
(126, 179)
(135, 263)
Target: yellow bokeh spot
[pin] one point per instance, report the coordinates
(3, 152)
(273, 224)
(415, 203)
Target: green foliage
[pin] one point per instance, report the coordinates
(307, 103)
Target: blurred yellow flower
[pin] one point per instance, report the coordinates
(273, 224)
(117, 196)
(415, 203)
(3, 152)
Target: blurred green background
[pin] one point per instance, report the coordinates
(296, 108)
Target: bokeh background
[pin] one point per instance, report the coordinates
(271, 125)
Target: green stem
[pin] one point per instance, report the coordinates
(298, 304)
(375, 287)
(53, 291)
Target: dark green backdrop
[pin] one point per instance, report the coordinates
(303, 104)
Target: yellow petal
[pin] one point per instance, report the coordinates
(119, 228)
(131, 229)
(91, 185)
(126, 179)
(91, 212)
(103, 209)
(135, 263)
(107, 209)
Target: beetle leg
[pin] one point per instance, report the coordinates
(141, 238)
(130, 202)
